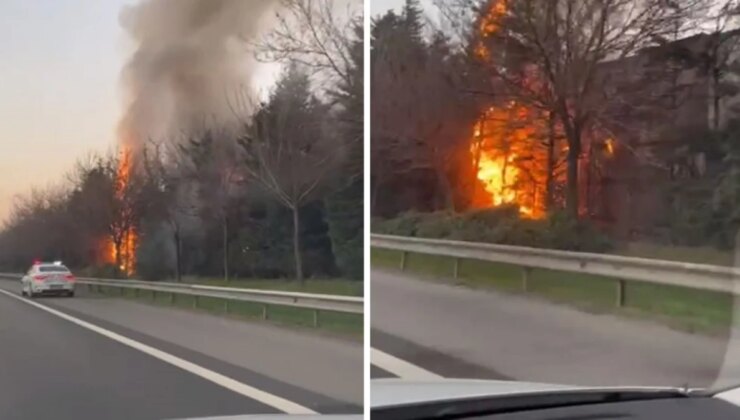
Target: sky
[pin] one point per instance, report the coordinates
(59, 88)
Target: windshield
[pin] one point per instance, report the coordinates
(53, 269)
(197, 167)
(555, 192)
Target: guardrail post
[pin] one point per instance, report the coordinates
(259, 300)
(315, 318)
(526, 273)
(403, 260)
(619, 301)
(456, 268)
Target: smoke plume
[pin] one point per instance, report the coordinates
(190, 57)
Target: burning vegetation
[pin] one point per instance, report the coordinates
(519, 149)
(511, 160)
(120, 246)
(513, 145)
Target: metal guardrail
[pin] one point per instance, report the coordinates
(695, 276)
(315, 302)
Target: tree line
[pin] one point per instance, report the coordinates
(277, 193)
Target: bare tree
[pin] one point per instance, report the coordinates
(167, 169)
(315, 33)
(287, 151)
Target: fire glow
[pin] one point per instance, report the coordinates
(518, 150)
(126, 258)
(508, 164)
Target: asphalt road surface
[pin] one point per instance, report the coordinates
(96, 357)
(423, 329)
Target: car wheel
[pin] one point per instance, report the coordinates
(71, 294)
(23, 292)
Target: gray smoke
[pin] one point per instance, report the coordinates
(190, 58)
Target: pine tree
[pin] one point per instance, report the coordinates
(412, 16)
(345, 206)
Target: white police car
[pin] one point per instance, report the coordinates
(48, 279)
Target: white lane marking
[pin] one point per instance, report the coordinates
(266, 398)
(400, 368)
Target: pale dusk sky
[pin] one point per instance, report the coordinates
(59, 88)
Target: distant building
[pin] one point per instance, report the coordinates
(661, 105)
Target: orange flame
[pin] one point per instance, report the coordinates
(490, 22)
(488, 25)
(515, 149)
(509, 159)
(499, 176)
(127, 252)
(609, 147)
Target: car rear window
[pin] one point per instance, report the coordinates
(53, 269)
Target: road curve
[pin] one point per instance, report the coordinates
(51, 367)
(455, 331)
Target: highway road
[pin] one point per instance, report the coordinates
(423, 329)
(98, 357)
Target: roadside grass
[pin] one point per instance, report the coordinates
(336, 323)
(698, 255)
(321, 286)
(679, 307)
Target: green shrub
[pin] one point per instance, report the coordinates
(501, 225)
(402, 225)
(474, 231)
(492, 217)
(437, 225)
(523, 232)
(570, 234)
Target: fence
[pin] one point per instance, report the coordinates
(694, 276)
(314, 302)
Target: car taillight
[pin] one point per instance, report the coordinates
(39, 278)
(70, 277)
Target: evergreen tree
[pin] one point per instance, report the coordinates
(345, 206)
(412, 16)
